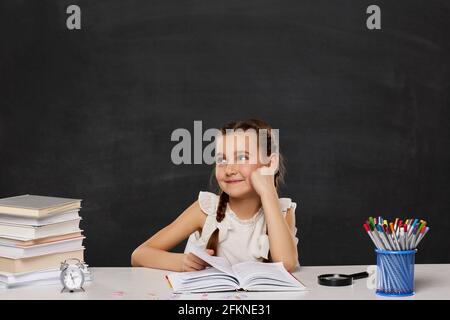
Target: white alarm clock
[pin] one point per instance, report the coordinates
(72, 275)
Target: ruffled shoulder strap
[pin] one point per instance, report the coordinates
(208, 202)
(260, 247)
(286, 203)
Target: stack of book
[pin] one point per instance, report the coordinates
(37, 233)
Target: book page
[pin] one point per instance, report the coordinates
(206, 280)
(253, 274)
(216, 262)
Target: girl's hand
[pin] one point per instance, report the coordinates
(263, 178)
(191, 262)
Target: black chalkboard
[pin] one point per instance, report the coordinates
(363, 114)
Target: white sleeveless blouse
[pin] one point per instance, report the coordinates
(239, 240)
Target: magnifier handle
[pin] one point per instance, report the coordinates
(359, 275)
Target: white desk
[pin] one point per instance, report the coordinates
(431, 282)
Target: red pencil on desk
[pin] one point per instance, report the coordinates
(167, 278)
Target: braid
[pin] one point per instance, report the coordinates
(221, 207)
(220, 214)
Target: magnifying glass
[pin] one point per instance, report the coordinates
(339, 280)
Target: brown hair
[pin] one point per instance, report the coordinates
(244, 125)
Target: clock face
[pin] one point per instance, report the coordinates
(72, 278)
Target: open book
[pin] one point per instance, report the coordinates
(221, 276)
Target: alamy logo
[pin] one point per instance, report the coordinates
(74, 20)
(374, 20)
(372, 279)
(189, 149)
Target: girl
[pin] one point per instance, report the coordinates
(246, 221)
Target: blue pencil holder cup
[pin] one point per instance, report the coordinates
(395, 273)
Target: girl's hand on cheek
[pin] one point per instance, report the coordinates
(263, 178)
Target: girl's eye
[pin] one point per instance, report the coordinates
(242, 157)
(221, 160)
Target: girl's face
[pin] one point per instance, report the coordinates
(237, 157)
